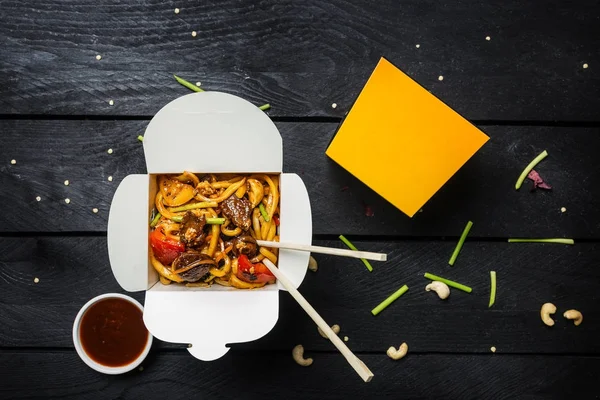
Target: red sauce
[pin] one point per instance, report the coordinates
(112, 332)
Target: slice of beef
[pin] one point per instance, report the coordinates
(238, 211)
(200, 263)
(245, 245)
(192, 229)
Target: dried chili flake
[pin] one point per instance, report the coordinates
(538, 182)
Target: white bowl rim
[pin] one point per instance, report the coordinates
(87, 359)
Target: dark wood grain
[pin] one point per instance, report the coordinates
(300, 57)
(275, 375)
(51, 151)
(71, 270)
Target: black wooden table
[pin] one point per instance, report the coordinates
(526, 73)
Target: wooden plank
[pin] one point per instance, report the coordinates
(51, 151)
(275, 375)
(71, 270)
(299, 57)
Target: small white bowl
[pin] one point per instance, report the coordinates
(87, 359)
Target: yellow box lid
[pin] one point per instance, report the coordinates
(402, 141)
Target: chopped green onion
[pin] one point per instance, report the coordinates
(140, 138)
(264, 213)
(448, 282)
(155, 220)
(461, 241)
(529, 167)
(382, 306)
(202, 204)
(492, 288)
(352, 247)
(187, 84)
(195, 88)
(209, 221)
(552, 240)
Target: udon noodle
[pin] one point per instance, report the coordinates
(204, 229)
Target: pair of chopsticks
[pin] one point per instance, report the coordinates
(363, 371)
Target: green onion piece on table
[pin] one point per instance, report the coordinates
(551, 240)
(461, 241)
(202, 204)
(187, 84)
(529, 167)
(389, 300)
(450, 283)
(264, 212)
(140, 138)
(195, 88)
(155, 220)
(492, 288)
(352, 247)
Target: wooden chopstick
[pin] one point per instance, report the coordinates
(325, 250)
(360, 367)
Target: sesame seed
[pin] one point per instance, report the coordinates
(488, 38)
(440, 78)
(177, 11)
(493, 349)
(67, 200)
(109, 151)
(563, 209)
(194, 33)
(585, 66)
(67, 182)
(198, 83)
(110, 178)
(417, 45)
(36, 280)
(334, 105)
(98, 57)
(13, 162)
(111, 102)
(345, 338)
(38, 198)
(95, 210)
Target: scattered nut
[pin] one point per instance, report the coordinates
(488, 38)
(38, 198)
(110, 178)
(575, 315)
(417, 45)
(493, 349)
(198, 83)
(298, 355)
(194, 33)
(346, 338)
(177, 11)
(13, 162)
(585, 66)
(334, 105)
(397, 354)
(109, 151)
(312, 264)
(67, 200)
(98, 57)
(95, 210)
(547, 309)
(335, 328)
(111, 102)
(563, 209)
(440, 78)
(442, 290)
(67, 182)
(36, 280)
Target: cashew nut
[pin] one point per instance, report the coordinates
(575, 315)
(397, 354)
(547, 309)
(442, 290)
(335, 328)
(298, 354)
(312, 264)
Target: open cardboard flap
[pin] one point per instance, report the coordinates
(207, 132)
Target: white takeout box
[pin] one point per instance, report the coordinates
(208, 132)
